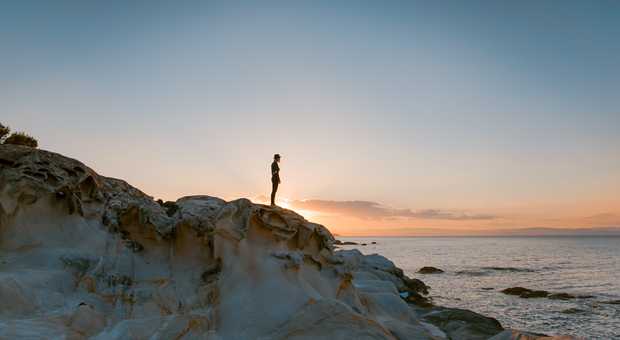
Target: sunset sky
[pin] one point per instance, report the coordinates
(393, 118)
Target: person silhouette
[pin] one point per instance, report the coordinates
(275, 178)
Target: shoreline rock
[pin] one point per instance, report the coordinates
(526, 293)
(345, 243)
(464, 324)
(88, 256)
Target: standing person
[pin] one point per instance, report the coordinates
(275, 177)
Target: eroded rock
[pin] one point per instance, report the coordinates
(87, 256)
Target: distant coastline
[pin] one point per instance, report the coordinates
(524, 232)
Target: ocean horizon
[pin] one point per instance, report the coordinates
(473, 236)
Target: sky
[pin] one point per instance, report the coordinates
(392, 117)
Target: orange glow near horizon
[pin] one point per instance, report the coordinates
(504, 223)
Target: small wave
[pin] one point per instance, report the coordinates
(510, 269)
(472, 273)
(484, 271)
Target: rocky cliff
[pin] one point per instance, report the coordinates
(87, 256)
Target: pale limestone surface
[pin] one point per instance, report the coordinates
(86, 256)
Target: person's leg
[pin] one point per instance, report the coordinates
(274, 189)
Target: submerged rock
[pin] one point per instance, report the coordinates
(345, 243)
(525, 292)
(573, 311)
(529, 293)
(611, 302)
(430, 270)
(561, 296)
(509, 269)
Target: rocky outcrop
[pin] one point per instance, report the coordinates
(83, 255)
(87, 256)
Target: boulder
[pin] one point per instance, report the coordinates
(461, 324)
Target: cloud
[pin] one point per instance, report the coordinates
(603, 219)
(374, 210)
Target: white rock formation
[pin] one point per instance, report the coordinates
(86, 256)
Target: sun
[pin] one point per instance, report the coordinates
(287, 204)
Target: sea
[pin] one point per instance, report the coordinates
(476, 269)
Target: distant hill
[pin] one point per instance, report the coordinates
(601, 231)
(435, 232)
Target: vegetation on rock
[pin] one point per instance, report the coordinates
(4, 131)
(16, 138)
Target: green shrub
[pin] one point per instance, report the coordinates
(4, 131)
(21, 138)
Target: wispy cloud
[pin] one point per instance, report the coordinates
(603, 219)
(374, 210)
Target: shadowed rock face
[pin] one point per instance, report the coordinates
(82, 255)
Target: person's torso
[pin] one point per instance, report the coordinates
(275, 170)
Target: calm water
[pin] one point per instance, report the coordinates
(474, 277)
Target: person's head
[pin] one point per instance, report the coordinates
(276, 157)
